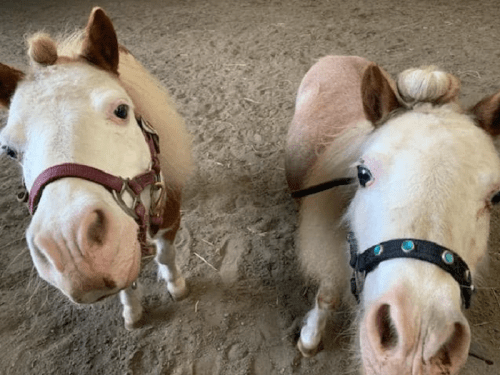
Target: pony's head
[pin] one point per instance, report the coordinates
(428, 172)
(71, 108)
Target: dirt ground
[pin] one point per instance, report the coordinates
(233, 68)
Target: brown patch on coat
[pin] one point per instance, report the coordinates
(100, 46)
(487, 114)
(379, 98)
(172, 213)
(9, 78)
(328, 103)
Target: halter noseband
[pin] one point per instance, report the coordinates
(427, 251)
(151, 218)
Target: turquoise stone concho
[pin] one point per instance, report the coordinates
(448, 257)
(407, 246)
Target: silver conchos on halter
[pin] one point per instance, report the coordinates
(427, 251)
(407, 246)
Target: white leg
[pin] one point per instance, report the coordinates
(323, 255)
(168, 270)
(132, 308)
(311, 332)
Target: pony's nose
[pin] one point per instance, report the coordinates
(94, 229)
(92, 289)
(75, 273)
(449, 345)
(423, 343)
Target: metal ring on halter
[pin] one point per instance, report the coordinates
(119, 199)
(146, 127)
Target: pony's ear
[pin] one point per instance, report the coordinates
(9, 77)
(100, 46)
(487, 114)
(379, 98)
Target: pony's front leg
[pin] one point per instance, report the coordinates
(323, 255)
(167, 267)
(165, 257)
(132, 307)
(315, 322)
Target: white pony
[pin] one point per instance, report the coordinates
(86, 105)
(427, 174)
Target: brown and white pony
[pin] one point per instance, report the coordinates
(426, 173)
(79, 126)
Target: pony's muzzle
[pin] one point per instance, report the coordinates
(399, 339)
(93, 230)
(93, 255)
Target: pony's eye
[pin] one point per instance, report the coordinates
(496, 198)
(364, 176)
(121, 111)
(10, 152)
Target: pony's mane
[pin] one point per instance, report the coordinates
(150, 99)
(428, 85)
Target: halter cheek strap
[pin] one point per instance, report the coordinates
(427, 251)
(118, 186)
(322, 187)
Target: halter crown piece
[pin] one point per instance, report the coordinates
(146, 219)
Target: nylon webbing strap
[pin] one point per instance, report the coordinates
(427, 251)
(322, 187)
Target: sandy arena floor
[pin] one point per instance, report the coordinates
(233, 68)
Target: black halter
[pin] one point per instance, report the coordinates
(427, 251)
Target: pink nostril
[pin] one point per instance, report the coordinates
(97, 227)
(450, 350)
(385, 333)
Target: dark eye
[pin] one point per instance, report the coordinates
(496, 198)
(10, 152)
(364, 176)
(121, 111)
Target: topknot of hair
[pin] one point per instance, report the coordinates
(428, 84)
(42, 49)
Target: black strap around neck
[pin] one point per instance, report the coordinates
(427, 251)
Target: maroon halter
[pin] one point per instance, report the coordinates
(151, 219)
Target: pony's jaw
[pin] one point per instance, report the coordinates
(82, 242)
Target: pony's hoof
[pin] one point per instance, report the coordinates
(131, 326)
(178, 289)
(132, 319)
(307, 351)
